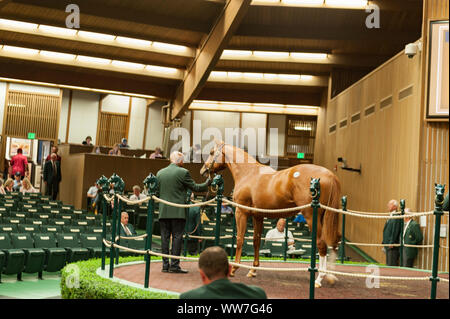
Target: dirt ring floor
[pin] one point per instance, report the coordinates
(295, 285)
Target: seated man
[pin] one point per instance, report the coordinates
(137, 195)
(278, 234)
(214, 270)
(126, 230)
(91, 195)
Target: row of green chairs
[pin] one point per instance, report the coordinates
(23, 228)
(49, 221)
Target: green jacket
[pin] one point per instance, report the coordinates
(130, 227)
(391, 231)
(225, 289)
(173, 182)
(412, 236)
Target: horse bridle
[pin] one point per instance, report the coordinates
(216, 155)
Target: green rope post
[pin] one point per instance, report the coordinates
(103, 183)
(233, 238)
(113, 239)
(217, 183)
(119, 186)
(119, 222)
(187, 228)
(285, 240)
(315, 192)
(152, 185)
(344, 207)
(439, 201)
(402, 224)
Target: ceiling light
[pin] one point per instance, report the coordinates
(252, 75)
(135, 42)
(127, 65)
(289, 77)
(57, 55)
(236, 53)
(169, 47)
(302, 106)
(270, 76)
(161, 69)
(235, 74)
(303, 2)
(96, 36)
(270, 54)
(357, 4)
(265, 1)
(218, 74)
(13, 24)
(88, 59)
(307, 56)
(19, 50)
(303, 128)
(306, 77)
(57, 31)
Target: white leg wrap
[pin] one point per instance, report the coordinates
(322, 265)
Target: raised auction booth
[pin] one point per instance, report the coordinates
(80, 169)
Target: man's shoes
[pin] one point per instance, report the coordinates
(178, 271)
(164, 270)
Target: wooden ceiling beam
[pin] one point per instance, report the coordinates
(208, 55)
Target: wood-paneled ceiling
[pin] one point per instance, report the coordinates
(339, 32)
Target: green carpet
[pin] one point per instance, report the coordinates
(30, 287)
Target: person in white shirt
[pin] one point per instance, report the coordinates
(27, 187)
(137, 195)
(278, 234)
(92, 194)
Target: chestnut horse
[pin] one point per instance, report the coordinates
(260, 186)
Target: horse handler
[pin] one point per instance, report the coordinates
(173, 182)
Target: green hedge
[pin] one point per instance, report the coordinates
(92, 286)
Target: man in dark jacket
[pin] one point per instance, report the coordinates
(173, 182)
(411, 236)
(52, 176)
(391, 235)
(214, 271)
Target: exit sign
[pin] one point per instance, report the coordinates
(31, 136)
(300, 155)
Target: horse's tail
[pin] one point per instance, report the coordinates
(331, 219)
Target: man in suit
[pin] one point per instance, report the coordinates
(52, 176)
(411, 236)
(391, 235)
(214, 270)
(126, 230)
(173, 182)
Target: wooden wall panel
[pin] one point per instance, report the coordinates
(32, 112)
(112, 128)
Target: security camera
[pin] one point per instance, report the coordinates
(411, 49)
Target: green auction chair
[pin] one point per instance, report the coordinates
(72, 246)
(53, 229)
(92, 242)
(2, 263)
(14, 258)
(55, 258)
(276, 249)
(10, 228)
(34, 257)
(24, 228)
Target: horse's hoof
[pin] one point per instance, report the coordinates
(317, 285)
(331, 279)
(251, 274)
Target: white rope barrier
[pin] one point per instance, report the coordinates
(132, 202)
(133, 238)
(340, 211)
(150, 252)
(283, 210)
(108, 199)
(183, 205)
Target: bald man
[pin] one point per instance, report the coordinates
(173, 183)
(391, 235)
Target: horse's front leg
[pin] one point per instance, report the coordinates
(257, 232)
(241, 225)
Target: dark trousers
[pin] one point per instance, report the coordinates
(175, 228)
(392, 256)
(52, 189)
(407, 262)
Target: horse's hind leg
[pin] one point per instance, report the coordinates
(257, 232)
(241, 225)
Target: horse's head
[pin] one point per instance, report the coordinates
(439, 193)
(215, 161)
